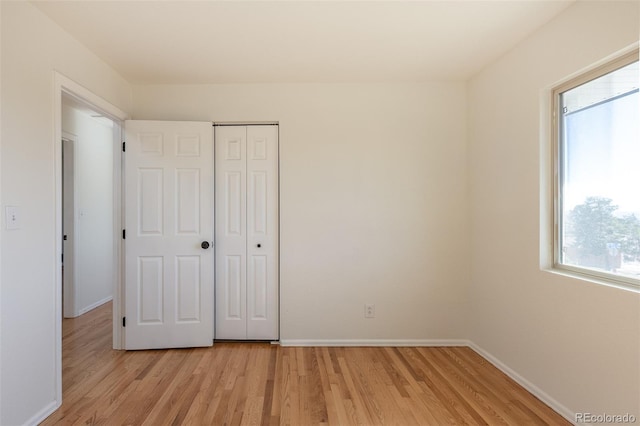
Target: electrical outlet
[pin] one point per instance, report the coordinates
(369, 310)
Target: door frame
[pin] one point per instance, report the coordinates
(64, 85)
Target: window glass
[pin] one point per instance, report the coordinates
(599, 174)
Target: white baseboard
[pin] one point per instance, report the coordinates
(533, 389)
(95, 305)
(43, 414)
(375, 342)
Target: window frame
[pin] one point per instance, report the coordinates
(582, 78)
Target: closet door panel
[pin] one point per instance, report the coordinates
(262, 232)
(231, 235)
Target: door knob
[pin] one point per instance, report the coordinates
(205, 245)
(259, 245)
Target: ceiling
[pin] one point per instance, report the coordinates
(189, 42)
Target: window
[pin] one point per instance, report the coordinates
(597, 195)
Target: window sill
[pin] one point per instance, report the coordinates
(594, 279)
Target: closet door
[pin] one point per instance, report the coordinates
(246, 232)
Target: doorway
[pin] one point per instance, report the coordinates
(87, 208)
(66, 88)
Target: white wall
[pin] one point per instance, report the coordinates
(93, 209)
(577, 341)
(32, 47)
(373, 201)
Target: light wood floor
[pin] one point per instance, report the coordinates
(262, 384)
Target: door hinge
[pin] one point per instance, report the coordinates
(124, 234)
(64, 238)
(124, 321)
(123, 148)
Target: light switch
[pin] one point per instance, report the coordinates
(12, 217)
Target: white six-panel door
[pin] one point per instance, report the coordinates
(246, 226)
(168, 215)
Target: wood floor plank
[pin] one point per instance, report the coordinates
(264, 384)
